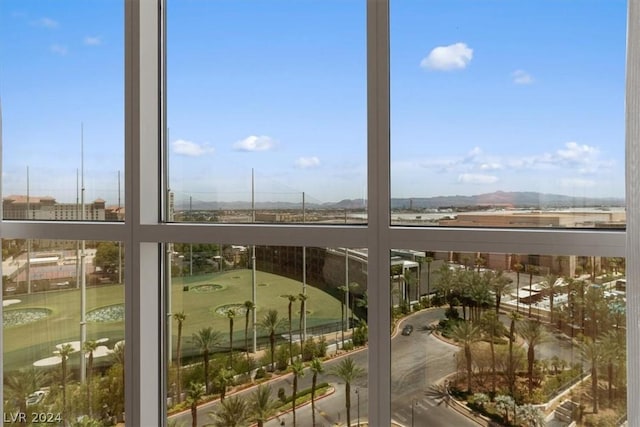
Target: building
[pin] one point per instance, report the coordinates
(37, 208)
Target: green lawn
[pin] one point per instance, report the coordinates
(27, 343)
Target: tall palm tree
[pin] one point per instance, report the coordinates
(533, 334)
(233, 412)
(348, 371)
(499, 284)
(271, 323)
(297, 368)
(316, 368)
(231, 314)
(292, 299)
(224, 378)
(261, 404)
(88, 348)
(614, 343)
(205, 339)
(593, 353)
(428, 260)
(180, 318)
(518, 268)
(532, 271)
(64, 352)
(551, 285)
(194, 394)
(467, 333)
(249, 306)
(492, 328)
(303, 314)
(514, 316)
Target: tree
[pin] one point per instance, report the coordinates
(518, 268)
(531, 416)
(89, 347)
(271, 323)
(205, 339)
(194, 394)
(532, 271)
(64, 352)
(614, 343)
(180, 318)
(224, 377)
(499, 284)
(511, 371)
(505, 404)
(550, 286)
(231, 314)
(492, 328)
(303, 314)
(233, 412)
(348, 371)
(292, 299)
(316, 368)
(297, 368)
(593, 353)
(106, 257)
(19, 384)
(249, 306)
(533, 334)
(466, 333)
(428, 260)
(261, 405)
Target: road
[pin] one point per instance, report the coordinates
(419, 361)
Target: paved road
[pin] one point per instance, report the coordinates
(419, 361)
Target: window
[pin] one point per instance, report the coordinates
(173, 263)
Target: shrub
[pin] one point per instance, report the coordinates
(360, 335)
(282, 357)
(282, 395)
(260, 373)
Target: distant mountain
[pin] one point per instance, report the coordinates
(518, 199)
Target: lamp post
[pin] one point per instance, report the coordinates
(358, 398)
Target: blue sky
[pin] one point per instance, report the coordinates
(486, 95)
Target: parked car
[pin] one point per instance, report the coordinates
(407, 329)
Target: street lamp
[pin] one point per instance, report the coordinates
(358, 395)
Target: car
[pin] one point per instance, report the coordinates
(407, 329)
(36, 397)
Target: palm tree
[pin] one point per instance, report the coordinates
(224, 377)
(466, 333)
(316, 368)
(205, 339)
(303, 313)
(180, 318)
(292, 299)
(19, 384)
(64, 352)
(532, 271)
(270, 323)
(428, 260)
(551, 286)
(194, 394)
(348, 371)
(249, 306)
(493, 328)
(505, 404)
(511, 371)
(614, 344)
(498, 283)
(233, 412)
(531, 416)
(593, 353)
(89, 347)
(297, 368)
(261, 404)
(231, 314)
(533, 333)
(518, 268)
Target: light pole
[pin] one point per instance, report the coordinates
(358, 395)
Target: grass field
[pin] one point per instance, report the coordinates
(27, 343)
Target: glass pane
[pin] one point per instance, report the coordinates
(508, 114)
(63, 109)
(63, 326)
(267, 110)
(565, 361)
(246, 326)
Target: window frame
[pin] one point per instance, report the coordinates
(143, 231)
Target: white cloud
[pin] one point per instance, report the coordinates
(307, 162)
(576, 152)
(521, 77)
(254, 143)
(490, 166)
(444, 58)
(92, 41)
(192, 149)
(59, 49)
(473, 178)
(46, 23)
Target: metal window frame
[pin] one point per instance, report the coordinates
(143, 232)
